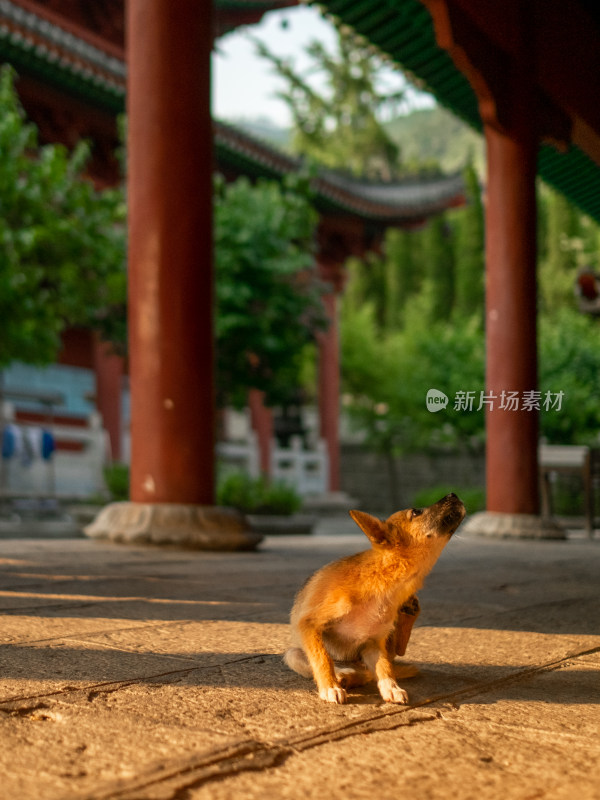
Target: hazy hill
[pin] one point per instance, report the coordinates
(427, 136)
(265, 129)
(436, 135)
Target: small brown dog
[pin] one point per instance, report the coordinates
(346, 619)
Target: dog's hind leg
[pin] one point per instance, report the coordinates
(296, 659)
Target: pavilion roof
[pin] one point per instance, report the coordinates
(404, 201)
(37, 44)
(403, 29)
(52, 42)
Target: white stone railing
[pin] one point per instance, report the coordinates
(242, 456)
(305, 470)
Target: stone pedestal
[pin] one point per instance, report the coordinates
(181, 525)
(512, 526)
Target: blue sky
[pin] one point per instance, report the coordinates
(244, 85)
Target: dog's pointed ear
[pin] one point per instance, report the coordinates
(373, 528)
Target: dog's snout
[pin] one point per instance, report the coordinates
(451, 512)
(450, 498)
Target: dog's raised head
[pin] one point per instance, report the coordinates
(421, 528)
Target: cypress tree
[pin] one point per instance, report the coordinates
(439, 267)
(563, 243)
(402, 277)
(470, 249)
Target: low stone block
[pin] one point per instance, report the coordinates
(517, 526)
(183, 525)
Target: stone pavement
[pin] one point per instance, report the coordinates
(130, 672)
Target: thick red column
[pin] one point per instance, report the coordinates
(512, 436)
(329, 390)
(170, 262)
(108, 367)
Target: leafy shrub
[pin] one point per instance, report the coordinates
(117, 480)
(257, 495)
(280, 498)
(386, 378)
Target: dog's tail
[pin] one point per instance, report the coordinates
(349, 674)
(355, 673)
(296, 659)
(403, 671)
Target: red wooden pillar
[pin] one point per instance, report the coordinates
(329, 390)
(170, 169)
(509, 108)
(170, 166)
(512, 435)
(108, 367)
(262, 424)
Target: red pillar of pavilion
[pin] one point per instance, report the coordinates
(170, 167)
(512, 477)
(508, 106)
(511, 341)
(170, 259)
(108, 368)
(261, 418)
(337, 240)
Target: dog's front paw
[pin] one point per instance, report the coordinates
(333, 694)
(391, 692)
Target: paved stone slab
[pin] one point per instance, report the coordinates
(517, 742)
(132, 672)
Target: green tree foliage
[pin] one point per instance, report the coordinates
(404, 272)
(413, 315)
(387, 377)
(61, 242)
(469, 248)
(569, 240)
(268, 297)
(557, 267)
(368, 282)
(387, 280)
(388, 369)
(62, 262)
(570, 363)
(438, 258)
(341, 126)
